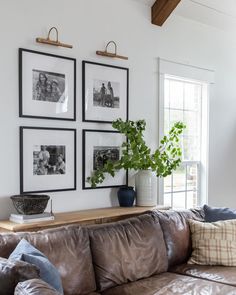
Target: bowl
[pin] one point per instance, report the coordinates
(30, 204)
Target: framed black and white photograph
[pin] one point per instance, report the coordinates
(47, 159)
(47, 86)
(99, 146)
(105, 92)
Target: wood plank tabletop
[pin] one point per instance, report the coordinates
(81, 217)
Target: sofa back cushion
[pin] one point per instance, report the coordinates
(67, 248)
(127, 250)
(176, 232)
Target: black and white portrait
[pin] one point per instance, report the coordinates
(102, 154)
(49, 160)
(106, 94)
(48, 86)
(101, 147)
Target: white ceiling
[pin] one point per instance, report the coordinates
(217, 13)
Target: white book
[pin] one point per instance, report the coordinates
(33, 216)
(22, 221)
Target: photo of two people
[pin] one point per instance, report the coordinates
(106, 94)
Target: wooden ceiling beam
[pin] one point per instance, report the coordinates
(162, 9)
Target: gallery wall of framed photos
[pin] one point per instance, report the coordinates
(47, 91)
(87, 30)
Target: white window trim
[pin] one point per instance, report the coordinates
(193, 73)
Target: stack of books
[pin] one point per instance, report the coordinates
(20, 218)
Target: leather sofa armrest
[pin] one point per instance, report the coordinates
(35, 287)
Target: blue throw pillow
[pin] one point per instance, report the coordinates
(26, 252)
(213, 214)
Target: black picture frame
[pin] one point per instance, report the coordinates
(84, 150)
(85, 101)
(72, 153)
(24, 98)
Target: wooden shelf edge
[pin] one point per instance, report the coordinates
(90, 216)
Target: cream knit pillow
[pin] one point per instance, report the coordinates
(213, 243)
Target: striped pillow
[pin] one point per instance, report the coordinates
(213, 243)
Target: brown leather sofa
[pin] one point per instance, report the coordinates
(144, 255)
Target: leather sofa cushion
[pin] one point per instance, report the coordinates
(220, 274)
(68, 250)
(177, 233)
(170, 284)
(127, 250)
(35, 287)
(12, 272)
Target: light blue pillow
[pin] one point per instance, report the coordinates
(26, 252)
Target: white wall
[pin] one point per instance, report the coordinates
(88, 25)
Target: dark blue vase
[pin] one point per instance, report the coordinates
(126, 196)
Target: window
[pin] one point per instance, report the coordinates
(185, 99)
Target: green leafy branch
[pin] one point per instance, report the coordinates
(137, 155)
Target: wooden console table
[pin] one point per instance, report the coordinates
(92, 216)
